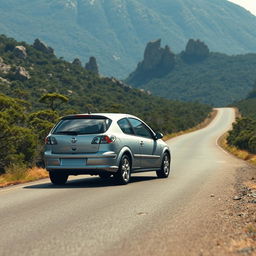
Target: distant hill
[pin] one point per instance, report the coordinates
(196, 74)
(116, 31)
(27, 72)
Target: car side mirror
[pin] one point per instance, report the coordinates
(159, 136)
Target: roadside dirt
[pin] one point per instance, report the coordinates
(242, 239)
(242, 210)
(237, 219)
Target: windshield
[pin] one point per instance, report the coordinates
(82, 126)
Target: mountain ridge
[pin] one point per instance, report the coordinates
(115, 31)
(197, 74)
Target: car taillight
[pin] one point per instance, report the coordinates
(50, 140)
(103, 139)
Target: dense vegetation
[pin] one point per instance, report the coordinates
(36, 88)
(247, 107)
(212, 78)
(115, 32)
(243, 134)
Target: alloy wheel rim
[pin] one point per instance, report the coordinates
(126, 170)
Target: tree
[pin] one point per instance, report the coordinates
(17, 142)
(53, 100)
(41, 122)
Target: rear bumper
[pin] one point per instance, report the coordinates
(81, 163)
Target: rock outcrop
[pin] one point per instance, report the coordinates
(4, 68)
(4, 81)
(20, 52)
(41, 46)
(77, 62)
(92, 65)
(195, 51)
(157, 62)
(21, 74)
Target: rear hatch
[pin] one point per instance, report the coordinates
(74, 134)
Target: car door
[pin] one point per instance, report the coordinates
(148, 145)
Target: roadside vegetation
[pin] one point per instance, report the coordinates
(241, 140)
(37, 88)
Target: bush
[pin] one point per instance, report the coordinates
(243, 135)
(252, 144)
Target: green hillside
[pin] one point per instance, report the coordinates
(28, 74)
(213, 78)
(115, 31)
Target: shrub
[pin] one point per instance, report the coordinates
(252, 144)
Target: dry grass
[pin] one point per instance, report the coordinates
(244, 246)
(242, 154)
(18, 175)
(202, 125)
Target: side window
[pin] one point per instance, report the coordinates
(140, 129)
(125, 126)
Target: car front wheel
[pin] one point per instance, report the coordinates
(58, 178)
(165, 167)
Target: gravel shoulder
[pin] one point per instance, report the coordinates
(242, 213)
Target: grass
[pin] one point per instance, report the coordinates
(17, 174)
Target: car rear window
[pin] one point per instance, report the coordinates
(75, 126)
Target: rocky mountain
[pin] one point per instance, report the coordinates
(116, 31)
(157, 62)
(196, 74)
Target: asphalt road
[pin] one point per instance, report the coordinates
(150, 216)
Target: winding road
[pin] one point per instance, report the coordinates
(150, 216)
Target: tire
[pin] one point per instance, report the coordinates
(105, 175)
(165, 167)
(58, 178)
(123, 174)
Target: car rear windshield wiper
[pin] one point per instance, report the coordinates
(67, 132)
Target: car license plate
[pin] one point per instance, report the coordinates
(73, 162)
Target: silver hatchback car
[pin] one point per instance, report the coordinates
(105, 145)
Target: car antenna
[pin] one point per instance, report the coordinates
(88, 110)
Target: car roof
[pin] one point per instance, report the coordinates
(112, 116)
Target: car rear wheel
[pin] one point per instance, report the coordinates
(124, 172)
(58, 178)
(165, 167)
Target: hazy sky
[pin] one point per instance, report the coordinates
(250, 5)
